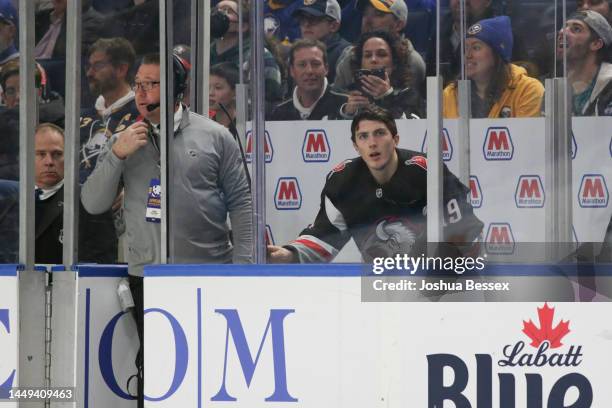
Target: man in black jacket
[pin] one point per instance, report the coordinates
(97, 233)
(312, 97)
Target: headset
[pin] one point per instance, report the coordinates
(181, 74)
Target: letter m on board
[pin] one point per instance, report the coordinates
(248, 363)
(287, 190)
(500, 234)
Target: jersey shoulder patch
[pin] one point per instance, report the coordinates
(420, 161)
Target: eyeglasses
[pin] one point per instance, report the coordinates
(145, 85)
(96, 66)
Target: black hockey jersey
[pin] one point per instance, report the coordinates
(96, 130)
(385, 220)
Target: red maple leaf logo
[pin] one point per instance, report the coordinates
(546, 332)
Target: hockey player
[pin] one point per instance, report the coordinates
(379, 199)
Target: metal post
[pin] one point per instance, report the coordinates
(197, 50)
(32, 284)
(463, 138)
(558, 176)
(434, 163)
(205, 59)
(28, 119)
(257, 113)
(71, 138)
(166, 40)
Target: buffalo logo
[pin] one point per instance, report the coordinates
(593, 191)
(500, 239)
(316, 146)
(269, 236)
(498, 144)
(475, 192)
(529, 192)
(447, 146)
(287, 195)
(268, 148)
(390, 237)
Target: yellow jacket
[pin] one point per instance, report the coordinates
(522, 98)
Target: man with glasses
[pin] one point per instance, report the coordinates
(320, 20)
(208, 182)
(109, 73)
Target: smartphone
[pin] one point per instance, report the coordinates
(379, 72)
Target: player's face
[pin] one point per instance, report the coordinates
(147, 90)
(479, 60)
(376, 146)
(308, 69)
(49, 163)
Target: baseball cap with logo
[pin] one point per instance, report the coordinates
(396, 7)
(319, 8)
(596, 22)
(8, 13)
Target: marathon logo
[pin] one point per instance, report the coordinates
(500, 239)
(498, 144)
(447, 146)
(287, 195)
(529, 192)
(315, 148)
(269, 237)
(268, 148)
(593, 191)
(475, 192)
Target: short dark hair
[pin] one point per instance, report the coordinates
(377, 114)
(118, 49)
(12, 68)
(227, 71)
(307, 43)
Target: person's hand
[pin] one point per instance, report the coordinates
(355, 101)
(130, 140)
(277, 254)
(376, 86)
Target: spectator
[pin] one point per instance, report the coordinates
(320, 20)
(8, 32)
(50, 109)
(312, 98)
(391, 16)
(600, 6)
(379, 200)
(109, 74)
(586, 45)
(499, 89)
(225, 49)
(51, 29)
(393, 92)
(222, 93)
(97, 234)
(279, 21)
(450, 37)
(184, 52)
